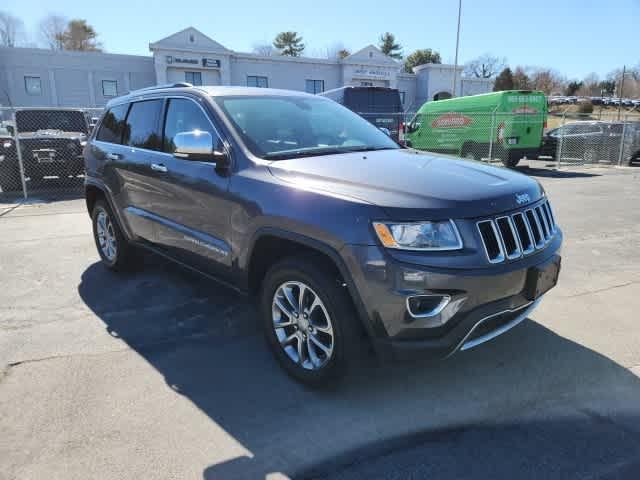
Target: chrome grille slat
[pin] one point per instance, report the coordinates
(526, 243)
(510, 237)
(491, 236)
(552, 223)
(546, 231)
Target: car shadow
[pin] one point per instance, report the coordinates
(551, 172)
(205, 341)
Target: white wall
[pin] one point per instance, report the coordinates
(69, 78)
(287, 74)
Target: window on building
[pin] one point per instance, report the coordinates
(33, 85)
(403, 96)
(112, 124)
(109, 88)
(142, 126)
(194, 78)
(260, 82)
(185, 116)
(314, 86)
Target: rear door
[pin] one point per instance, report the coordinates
(190, 204)
(120, 167)
(133, 163)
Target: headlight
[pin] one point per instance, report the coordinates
(419, 236)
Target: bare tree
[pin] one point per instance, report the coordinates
(547, 80)
(590, 86)
(264, 49)
(51, 29)
(485, 66)
(11, 30)
(521, 80)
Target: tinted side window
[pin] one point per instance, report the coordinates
(142, 126)
(185, 116)
(112, 125)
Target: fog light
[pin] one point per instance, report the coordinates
(423, 306)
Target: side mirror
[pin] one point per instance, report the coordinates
(198, 145)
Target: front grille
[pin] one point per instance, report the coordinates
(522, 233)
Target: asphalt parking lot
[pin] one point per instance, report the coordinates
(161, 374)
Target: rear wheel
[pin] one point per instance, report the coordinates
(510, 159)
(308, 320)
(10, 179)
(114, 249)
(468, 151)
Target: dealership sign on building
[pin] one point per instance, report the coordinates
(205, 62)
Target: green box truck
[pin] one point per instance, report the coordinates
(507, 125)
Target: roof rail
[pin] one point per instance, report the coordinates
(159, 87)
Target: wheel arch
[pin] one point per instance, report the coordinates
(93, 191)
(270, 245)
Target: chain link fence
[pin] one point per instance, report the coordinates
(603, 139)
(41, 150)
(506, 138)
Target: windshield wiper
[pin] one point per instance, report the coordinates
(319, 152)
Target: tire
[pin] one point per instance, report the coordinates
(510, 160)
(119, 257)
(10, 180)
(336, 312)
(589, 156)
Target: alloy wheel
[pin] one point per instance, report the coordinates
(106, 236)
(302, 325)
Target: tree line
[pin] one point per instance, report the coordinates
(54, 31)
(552, 82)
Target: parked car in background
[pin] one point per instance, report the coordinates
(9, 168)
(594, 142)
(380, 106)
(341, 234)
(51, 142)
(513, 120)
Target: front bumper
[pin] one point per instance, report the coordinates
(484, 302)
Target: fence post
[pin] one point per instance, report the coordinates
(493, 121)
(19, 155)
(622, 137)
(559, 152)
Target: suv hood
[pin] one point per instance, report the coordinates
(412, 185)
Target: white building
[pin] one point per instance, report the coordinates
(36, 77)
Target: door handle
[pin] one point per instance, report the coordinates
(158, 167)
(114, 156)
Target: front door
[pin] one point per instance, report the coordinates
(190, 202)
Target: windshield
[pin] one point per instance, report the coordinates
(278, 127)
(63, 120)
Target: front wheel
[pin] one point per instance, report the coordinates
(589, 156)
(308, 320)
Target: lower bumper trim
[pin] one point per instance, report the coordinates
(524, 310)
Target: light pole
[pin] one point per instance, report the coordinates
(455, 63)
(624, 72)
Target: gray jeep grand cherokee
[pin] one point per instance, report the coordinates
(339, 232)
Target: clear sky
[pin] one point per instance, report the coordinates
(575, 37)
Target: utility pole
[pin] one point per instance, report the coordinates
(624, 72)
(455, 66)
